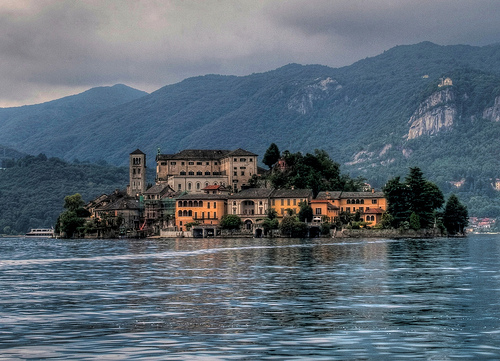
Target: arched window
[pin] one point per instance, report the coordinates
(357, 201)
(185, 203)
(190, 213)
(215, 183)
(201, 203)
(190, 185)
(198, 185)
(362, 201)
(184, 213)
(195, 204)
(180, 213)
(206, 184)
(348, 201)
(180, 203)
(190, 203)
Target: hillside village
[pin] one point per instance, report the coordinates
(195, 189)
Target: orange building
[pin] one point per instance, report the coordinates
(283, 200)
(371, 205)
(200, 208)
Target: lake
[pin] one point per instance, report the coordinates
(250, 299)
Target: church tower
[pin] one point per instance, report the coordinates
(137, 173)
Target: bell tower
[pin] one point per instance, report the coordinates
(137, 173)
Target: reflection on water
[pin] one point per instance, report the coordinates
(202, 299)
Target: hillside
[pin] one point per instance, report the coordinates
(376, 117)
(32, 189)
(41, 128)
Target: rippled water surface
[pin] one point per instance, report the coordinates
(250, 299)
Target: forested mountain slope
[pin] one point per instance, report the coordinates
(376, 117)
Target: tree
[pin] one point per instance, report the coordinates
(292, 227)
(73, 202)
(305, 212)
(414, 221)
(231, 221)
(271, 156)
(416, 196)
(455, 217)
(269, 225)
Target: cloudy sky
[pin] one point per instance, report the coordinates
(54, 48)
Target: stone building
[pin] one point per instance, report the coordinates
(192, 170)
(137, 174)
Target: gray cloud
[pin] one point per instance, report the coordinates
(51, 48)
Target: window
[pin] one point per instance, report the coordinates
(243, 167)
(189, 186)
(348, 201)
(243, 160)
(235, 168)
(294, 202)
(208, 205)
(215, 205)
(287, 202)
(182, 163)
(207, 163)
(163, 163)
(191, 173)
(242, 172)
(190, 213)
(198, 163)
(348, 209)
(374, 201)
(182, 173)
(273, 202)
(282, 202)
(360, 209)
(179, 187)
(180, 203)
(235, 174)
(198, 185)
(207, 173)
(215, 163)
(215, 214)
(199, 173)
(251, 159)
(235, 160)
(318, 210)
(139, 171)
(208, 215)
(173, 163)
(191, 163)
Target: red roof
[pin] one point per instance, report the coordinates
(212, 187)
(374, 211)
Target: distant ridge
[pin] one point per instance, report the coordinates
(360, 114)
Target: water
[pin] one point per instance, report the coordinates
(250, 299)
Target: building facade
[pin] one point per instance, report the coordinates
(192, 170)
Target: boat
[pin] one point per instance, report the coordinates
(41, 233)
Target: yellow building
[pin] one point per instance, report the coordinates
(370, 205)
(200, 208)
(286, 200)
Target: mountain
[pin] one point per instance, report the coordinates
(35, 128)
(376, 117)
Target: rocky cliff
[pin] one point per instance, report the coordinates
(493, 113)
(437, 113)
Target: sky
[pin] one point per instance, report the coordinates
(54, 48)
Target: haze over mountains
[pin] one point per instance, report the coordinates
(376, 117)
